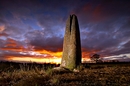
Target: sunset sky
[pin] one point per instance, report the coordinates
(33, 30)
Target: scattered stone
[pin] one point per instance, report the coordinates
(76, 70)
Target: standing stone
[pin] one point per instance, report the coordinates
(71, 57)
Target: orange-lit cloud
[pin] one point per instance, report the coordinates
(13, 49)
(12, 45)
(3, 34)
(2, 28)
(55, 54)
(11, 40)
(88, 53)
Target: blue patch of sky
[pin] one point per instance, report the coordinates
(3, 37)
(64, 11)
(32, 23)
(8, 15)
(120, 46)
(20, 38)
(84, 30)
(60, 30)
(51, 13)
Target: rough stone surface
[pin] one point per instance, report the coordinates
(71, 57)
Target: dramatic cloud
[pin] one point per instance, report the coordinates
(40, 41)
(34, 29)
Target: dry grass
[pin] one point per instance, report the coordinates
(93, 76)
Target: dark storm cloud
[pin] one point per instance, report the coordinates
(13, 31)
(104, 25)
(2, 42)
(2, 21)
(51, 25)
(39, 40)
(125, 49)
(98, 11)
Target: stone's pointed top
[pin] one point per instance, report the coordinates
(73, 15)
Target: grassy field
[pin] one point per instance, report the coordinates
(32, 74)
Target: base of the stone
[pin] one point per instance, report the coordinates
(63, 70)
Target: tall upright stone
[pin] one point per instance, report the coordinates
(71, 56)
